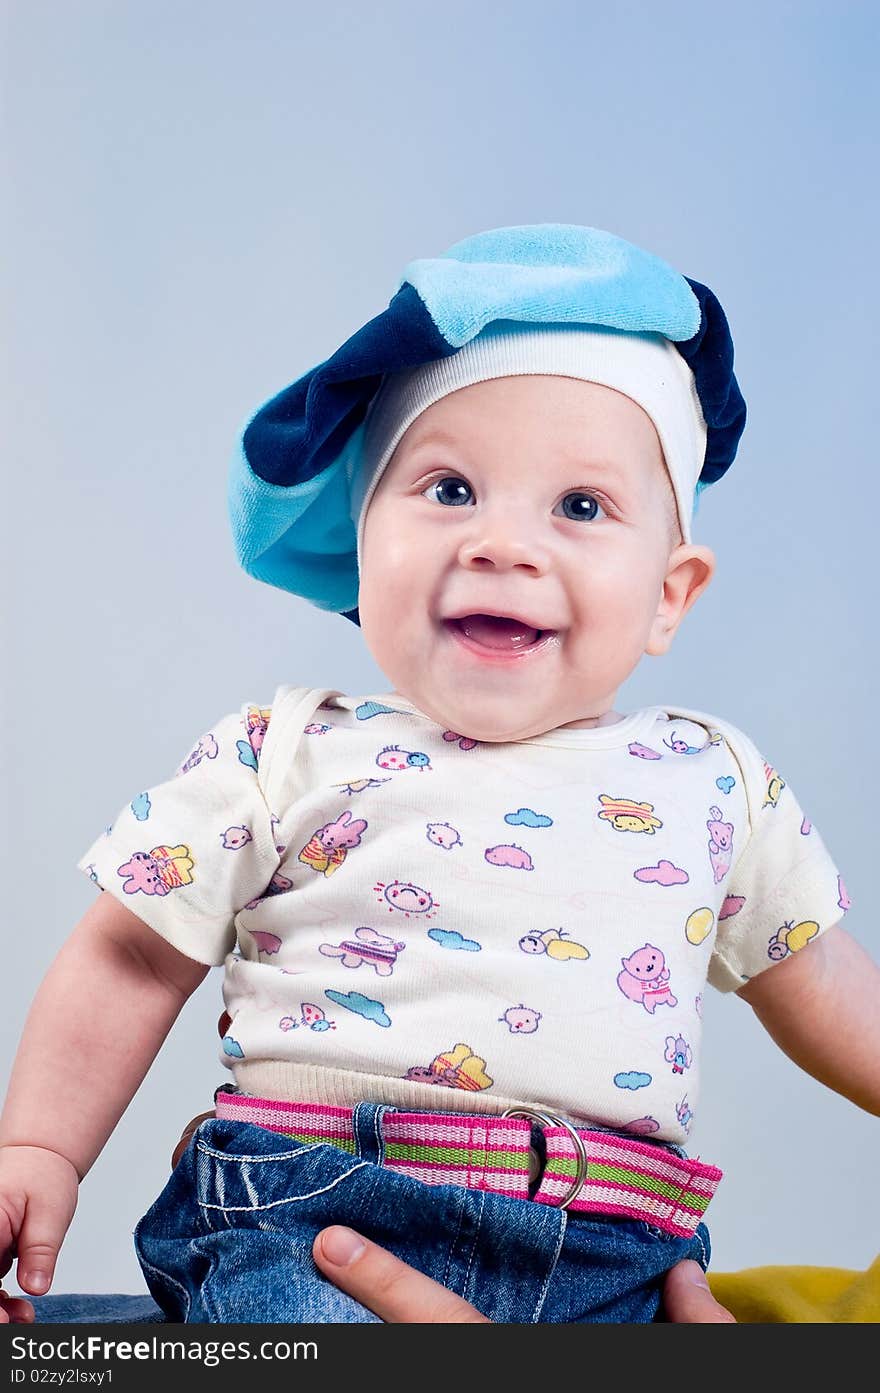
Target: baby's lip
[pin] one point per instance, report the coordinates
(501, 614)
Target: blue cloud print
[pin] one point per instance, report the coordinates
(232, 1048)
(367, 709)
(524, 817)
(140, 806)
(246, 754)
(450, 938)
(632, 1080)
(361, 1005)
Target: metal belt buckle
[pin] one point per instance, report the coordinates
(550, 1120)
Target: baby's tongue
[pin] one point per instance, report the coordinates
(494, 632)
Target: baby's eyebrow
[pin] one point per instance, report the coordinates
(596, 464)
(570, 464)
(435, 438)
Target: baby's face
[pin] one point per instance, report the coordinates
(539, 497)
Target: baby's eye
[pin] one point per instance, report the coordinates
(584, 508)
(441, 484)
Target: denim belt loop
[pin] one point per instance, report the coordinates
(367, 1127)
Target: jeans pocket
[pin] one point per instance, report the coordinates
(249, 1175)
(230, 1236)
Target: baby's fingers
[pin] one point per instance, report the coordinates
(7, 1242)
(14, 1310)
(46, 1221)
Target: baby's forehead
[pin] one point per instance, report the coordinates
(580, 433)
(566, 420)
(558, 407)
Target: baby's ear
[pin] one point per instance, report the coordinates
(690, 571)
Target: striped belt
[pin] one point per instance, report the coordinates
(585, 1171)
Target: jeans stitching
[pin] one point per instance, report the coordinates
(171, 1281)
(356, 1129)
(289, 1199)
(275, 1156)
(705, 1262)
(476, 1239)
(452, 1247)
(377, 1133)
(542, 1295)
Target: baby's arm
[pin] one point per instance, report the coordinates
(821, 1007)
(96, 1024)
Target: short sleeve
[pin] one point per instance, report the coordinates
(783, 890)
(187, 855)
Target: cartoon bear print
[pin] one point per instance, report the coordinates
(645, 979)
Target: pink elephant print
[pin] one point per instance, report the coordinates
(678, 1053)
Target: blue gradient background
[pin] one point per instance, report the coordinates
(209, 197)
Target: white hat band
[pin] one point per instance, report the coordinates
(644, 366)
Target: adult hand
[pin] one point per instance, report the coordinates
(386, 1286)
(688, 1300)
(401, 1295)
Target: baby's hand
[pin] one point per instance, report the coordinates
(14, 1310)
(38, 1193)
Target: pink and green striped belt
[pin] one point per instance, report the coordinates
(586, 1172)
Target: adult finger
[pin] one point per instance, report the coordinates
(386, 1286)
(687, 1298)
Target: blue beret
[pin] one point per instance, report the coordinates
(288, 495)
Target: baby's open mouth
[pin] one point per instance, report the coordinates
(497, 633)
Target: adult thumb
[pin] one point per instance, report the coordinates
(687, 1298)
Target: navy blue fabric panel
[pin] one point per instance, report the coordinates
(303, 429)
(709, 355)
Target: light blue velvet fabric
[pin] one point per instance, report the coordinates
(552, 273)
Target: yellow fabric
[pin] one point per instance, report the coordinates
(800, 1295)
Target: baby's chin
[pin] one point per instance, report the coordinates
(473, 720)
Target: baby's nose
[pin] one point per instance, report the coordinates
(505, 540)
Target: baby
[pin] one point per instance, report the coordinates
(466, 923)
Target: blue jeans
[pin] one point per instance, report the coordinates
(230, 1237)
(96, 1308)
